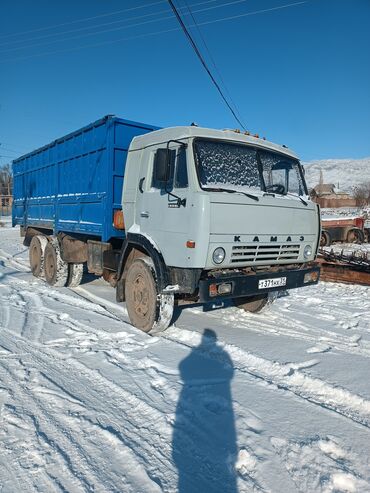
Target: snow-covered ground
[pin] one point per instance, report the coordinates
(347, 173)
(223, 401)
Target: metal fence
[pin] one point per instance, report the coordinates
(6, 202)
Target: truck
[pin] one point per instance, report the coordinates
(167, 216)
(343, 229)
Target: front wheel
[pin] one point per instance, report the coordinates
(148, 310)
(253, 304)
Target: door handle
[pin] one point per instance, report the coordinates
(141, 184)
(144, 214)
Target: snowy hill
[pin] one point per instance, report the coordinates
(348, 173)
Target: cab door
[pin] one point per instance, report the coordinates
(165, 210)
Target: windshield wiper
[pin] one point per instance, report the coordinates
(217, 189)
(294, 195)
(286, 193)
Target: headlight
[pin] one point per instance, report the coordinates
(307, 252)
(218, 255)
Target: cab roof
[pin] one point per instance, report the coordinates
(179, 133)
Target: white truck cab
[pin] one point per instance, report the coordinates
(228, 213)
(225, 190)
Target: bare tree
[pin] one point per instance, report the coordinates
(6, 180)
(362, 194)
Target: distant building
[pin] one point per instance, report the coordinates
(326, 196)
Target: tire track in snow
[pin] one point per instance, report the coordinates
(12, 262)
(311, 389)
(29, 469)
(287, 377)
(35, 307)
(147, 432)
(98, 476)
(169, 393)
(284, 376)
(26, 334)
(61, 295)
(322, 462)
(276, 326)
(57, 437)
(5, 310)
(26, 303)
(146, 365)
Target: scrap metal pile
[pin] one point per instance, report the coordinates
(348, 267)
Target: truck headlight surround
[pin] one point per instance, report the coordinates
(307, 252)
(218, 255)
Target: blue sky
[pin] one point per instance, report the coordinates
(299, 74)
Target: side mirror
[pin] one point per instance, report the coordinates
(161, 171)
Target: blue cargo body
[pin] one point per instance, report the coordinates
(74, 184)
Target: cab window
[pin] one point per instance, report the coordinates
(181, 175)
(178, 176)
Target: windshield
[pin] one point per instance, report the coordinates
(231, 165)
(281, 174)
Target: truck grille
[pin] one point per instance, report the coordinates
(264, 253)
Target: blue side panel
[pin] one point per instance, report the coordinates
(74, 184)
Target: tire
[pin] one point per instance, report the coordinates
(253, 304)
(56, 270)
(36, 254)
(75, 273)
(325, 239)
(148, 310)
(355, 236)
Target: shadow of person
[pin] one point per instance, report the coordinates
(204, 440)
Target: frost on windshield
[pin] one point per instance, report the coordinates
(221, 163)
(281, 174)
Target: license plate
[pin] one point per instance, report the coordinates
(271, 283)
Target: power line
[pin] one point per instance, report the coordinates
(263, 11)
(203, 62)
(12, 145)
(83, 19)
(212, 58)
(6, 149)
(98, 25)
(160, 18)
(154, 33)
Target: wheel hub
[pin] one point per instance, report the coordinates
(49, 265)
(141, 296)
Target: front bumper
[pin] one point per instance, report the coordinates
(247, 284)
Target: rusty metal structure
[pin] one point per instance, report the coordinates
(353, 268)
(343, 229)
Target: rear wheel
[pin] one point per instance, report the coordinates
(325, 239)
(75, 273)
(56, 270)
(355, 236)
(148, 310)
(36, 254)
(252, 304)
